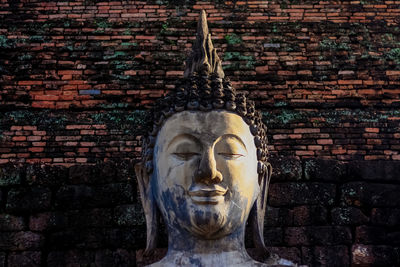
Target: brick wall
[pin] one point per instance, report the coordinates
(77, 76)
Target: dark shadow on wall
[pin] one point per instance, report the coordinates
(321, 213)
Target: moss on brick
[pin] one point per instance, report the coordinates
(233, 39)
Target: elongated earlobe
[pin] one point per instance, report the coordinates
(256, 218)
(149, 207)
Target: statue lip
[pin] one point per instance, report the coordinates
(207, 191)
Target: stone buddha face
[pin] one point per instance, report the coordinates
(205, 178)
(204, 165)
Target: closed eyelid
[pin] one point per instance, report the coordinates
(182, 137)
(237, 138)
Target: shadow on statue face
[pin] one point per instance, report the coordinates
(205, 178)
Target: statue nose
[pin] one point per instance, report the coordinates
(207, 172)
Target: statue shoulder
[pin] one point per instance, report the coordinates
(275, 261)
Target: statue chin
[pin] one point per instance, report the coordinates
(208, 224)
(211, 221)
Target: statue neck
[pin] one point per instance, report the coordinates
(228, 250)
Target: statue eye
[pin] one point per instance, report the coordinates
(230, 155)
(186, 155)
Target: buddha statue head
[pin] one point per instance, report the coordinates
(204, 165)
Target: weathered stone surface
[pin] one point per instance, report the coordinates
(121, 171)
(127, 238)
(2, 259)
(11, 174)
(24, 259)
(370, 194)
(48, 221)
(286, 168)
(39, 174)
(85, 174)
(309, 215)
(370, 235)
(78, 238)
(273, 236)
(75, 196)
(119, 257)
(278, 217)
(385, 216)
(324, 170)
(28, 199)
(11, 223)
(375, 170)
(288, 253)
(282, 194)
(83, 196)
(348, 216)
(368, 255)
(317, 235)
(90, 218)
(129, 215)
(142, 260)
(329, 256)
(393, 238)
(76, 257)
(20, 241)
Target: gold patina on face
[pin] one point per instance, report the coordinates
(205, 180)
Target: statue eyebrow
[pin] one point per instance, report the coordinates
(185, 135)
(234, 137)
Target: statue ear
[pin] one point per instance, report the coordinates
(257, 214)
(149, 207)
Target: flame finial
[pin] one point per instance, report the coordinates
(204, 56)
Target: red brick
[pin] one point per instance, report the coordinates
(392, 72)
(372, 130)
(39, 133)
(325, 141)
(75, 127)
(307, 130)
(98, 37)
(36, 149)
(99, 126)
(87, 132)
(145, 37)
(396, 157)
(30, 83)
(22, 132)
(339, 151)
(30, 128)
(280, 136)
(313, 147)
(33, 138)
(43, 104)
(67, 138)
(70, 143)
(304, 153)
(262, 69)
(350, 82)
(81, 160)
(69, 72)
(16, 128)
(5, 156)
(174, 73)
(19, 138)
(88, 144)
(38, 143)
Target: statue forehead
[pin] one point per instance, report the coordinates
(212, 123)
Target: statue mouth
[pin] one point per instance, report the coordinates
(201, 194)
